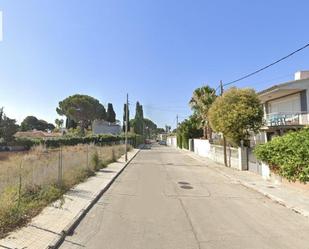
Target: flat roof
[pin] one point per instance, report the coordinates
(280, 85)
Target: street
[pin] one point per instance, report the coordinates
(165, 199)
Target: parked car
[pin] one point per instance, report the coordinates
(147, 141)
(162, 142)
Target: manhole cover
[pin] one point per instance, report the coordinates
(186, 187)
(184, 183)
(270, 187)
(169, 164)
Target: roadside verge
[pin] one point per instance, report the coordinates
(49, 228)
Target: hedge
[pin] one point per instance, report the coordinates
(133, 139)
(287, 155)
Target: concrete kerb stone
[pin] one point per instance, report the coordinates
(276, 199)
(266, 194)
(69, 229)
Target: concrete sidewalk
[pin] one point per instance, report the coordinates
(293, 198)
(56, 220)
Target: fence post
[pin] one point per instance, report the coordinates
(60, 167)
(87, 156)
(20, 182)
(242, 157)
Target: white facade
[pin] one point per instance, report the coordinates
(286, 106)
(300, 75)
(171, 141)
(103, 127)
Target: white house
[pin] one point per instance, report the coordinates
(285, 106)
(104, 127)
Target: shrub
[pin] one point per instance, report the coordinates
(133, 139)
(97, 163)
(187, 129)
(179, 140)
(114, 158)
(95, 160)
(287, 155)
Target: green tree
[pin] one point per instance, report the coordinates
(50, 126)
(124, 118)
(83, 109)
(168, 128)
(200, 103)
(138, 123)
(150, 127)
(8, 128)
(32, 123)
(236, 113)
(160, 130)
(110, 115)
(189, 128)
(59, 122)
(29, 123)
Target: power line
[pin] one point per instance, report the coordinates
(265, 67)
(272, 79)
(164, 109)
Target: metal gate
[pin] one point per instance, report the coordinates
(253, 164)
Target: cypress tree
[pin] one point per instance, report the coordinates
(124, 118)
(111, 115)
(139, 119)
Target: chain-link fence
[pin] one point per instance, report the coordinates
(65, 165)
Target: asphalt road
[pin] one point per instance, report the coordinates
(168, 200)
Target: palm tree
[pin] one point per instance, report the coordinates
(200, 103)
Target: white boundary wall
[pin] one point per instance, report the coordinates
(171, 141)
(236, 157)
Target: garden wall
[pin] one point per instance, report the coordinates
(236, 157)
(171, 141)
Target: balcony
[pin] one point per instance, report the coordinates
(286, 119)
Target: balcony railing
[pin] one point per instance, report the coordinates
(286, 119)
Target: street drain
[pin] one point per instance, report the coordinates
(184, 183)
(186, 187)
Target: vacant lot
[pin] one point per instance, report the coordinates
(31, 180)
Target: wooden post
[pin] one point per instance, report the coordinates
(126, 130)
(224, 140)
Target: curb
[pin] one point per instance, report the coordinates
(276, 199)
(68, 230)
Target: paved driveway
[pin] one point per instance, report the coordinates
(168, 200)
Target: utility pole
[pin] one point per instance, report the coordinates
(126, 131)
(177, 121)
(224, 140)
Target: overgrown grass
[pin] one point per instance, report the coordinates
(30, 180)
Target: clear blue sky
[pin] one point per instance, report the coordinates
(158, 51)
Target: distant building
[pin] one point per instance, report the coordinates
(104, 127)
(162, 136)
(36, 134)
